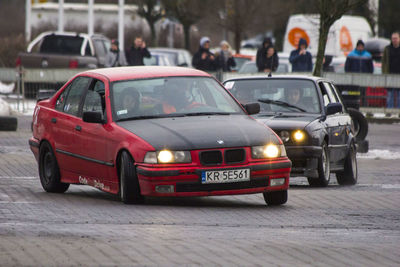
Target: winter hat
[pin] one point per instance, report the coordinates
(204, 40)
(303, 41)
(360, 42)
(115, 42)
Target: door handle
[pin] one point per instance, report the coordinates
(53, 120)
(78, 128)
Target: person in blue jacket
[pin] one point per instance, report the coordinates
(359, 60)
(300, 58)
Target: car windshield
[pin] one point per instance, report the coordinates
(171, 97)
(277, 95)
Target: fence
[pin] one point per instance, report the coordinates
(372, 93)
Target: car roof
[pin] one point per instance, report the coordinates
(141, 72)
(286, 77)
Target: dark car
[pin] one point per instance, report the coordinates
(309, 116)
(156, 131)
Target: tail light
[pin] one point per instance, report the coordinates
(73, 64)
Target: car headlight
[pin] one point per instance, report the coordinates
(268, 151)
(167, 156)
(299, 136)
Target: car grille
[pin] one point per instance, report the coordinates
(214, 157)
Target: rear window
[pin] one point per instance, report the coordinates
(69, 45)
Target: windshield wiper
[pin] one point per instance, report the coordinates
(206, 113)
(151, 117)
(280, 103)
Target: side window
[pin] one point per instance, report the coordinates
(325, 95)
(75, 94)
(61, 99)
(94, 100)
(331, 94)
(337, 94)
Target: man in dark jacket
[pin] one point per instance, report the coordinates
(391, 65)
(204, 59)
(262, 57)
(359, 60)
(137, 52)
(300, 58)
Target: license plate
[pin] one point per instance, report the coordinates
(225, 176)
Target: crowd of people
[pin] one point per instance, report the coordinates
(357, 61)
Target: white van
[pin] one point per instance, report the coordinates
(342, 38)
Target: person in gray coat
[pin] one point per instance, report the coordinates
(115, 57)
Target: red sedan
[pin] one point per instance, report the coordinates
(156, 131)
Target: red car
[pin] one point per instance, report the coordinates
(156, 131)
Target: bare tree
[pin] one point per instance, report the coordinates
(151, 11)
(330, 11)
(187, 12)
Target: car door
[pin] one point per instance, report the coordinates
(64, 121)
(336, 127)
(91, 141)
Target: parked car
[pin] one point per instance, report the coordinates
(156, 131)
(309, 116)
(157, 59)
(241, 59)
(65, 50)
(177, 57)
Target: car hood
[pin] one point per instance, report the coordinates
(287, 121)
(201, 132)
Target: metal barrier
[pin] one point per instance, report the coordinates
(372, 93)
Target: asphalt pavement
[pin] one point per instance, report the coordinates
(334, 226)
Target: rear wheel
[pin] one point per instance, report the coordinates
(129, 189)
(49, 172)
(323, 169)
(349, 175)
(275, 198)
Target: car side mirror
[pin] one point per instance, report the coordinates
(92, 117)
(252, 108)
(333, 108)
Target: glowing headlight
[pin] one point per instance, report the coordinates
(167, 156)
(268, 151)
(298, 136)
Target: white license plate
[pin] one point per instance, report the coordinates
(225, 176)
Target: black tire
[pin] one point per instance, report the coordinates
(49, 172)
(8, 123)
(275, 198)
(129, 189)
(360, 124)
(323, 169)
(349, 175)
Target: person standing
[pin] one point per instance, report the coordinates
(269, 61)
(137, 52)
(359, 60)
(262, 54)
(224, 58)
(391, 65)
(115, 57)
(300, 58)
(203, 59)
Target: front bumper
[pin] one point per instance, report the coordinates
(186, 181)
(304, 160)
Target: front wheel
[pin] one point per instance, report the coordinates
(349, 175)
(129, 189)
(324, 169)
(48, 170)
(275, 198)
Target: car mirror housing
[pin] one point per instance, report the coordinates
(92, 117)
(252, 108)
(333, 108)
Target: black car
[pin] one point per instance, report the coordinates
(309, 116)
